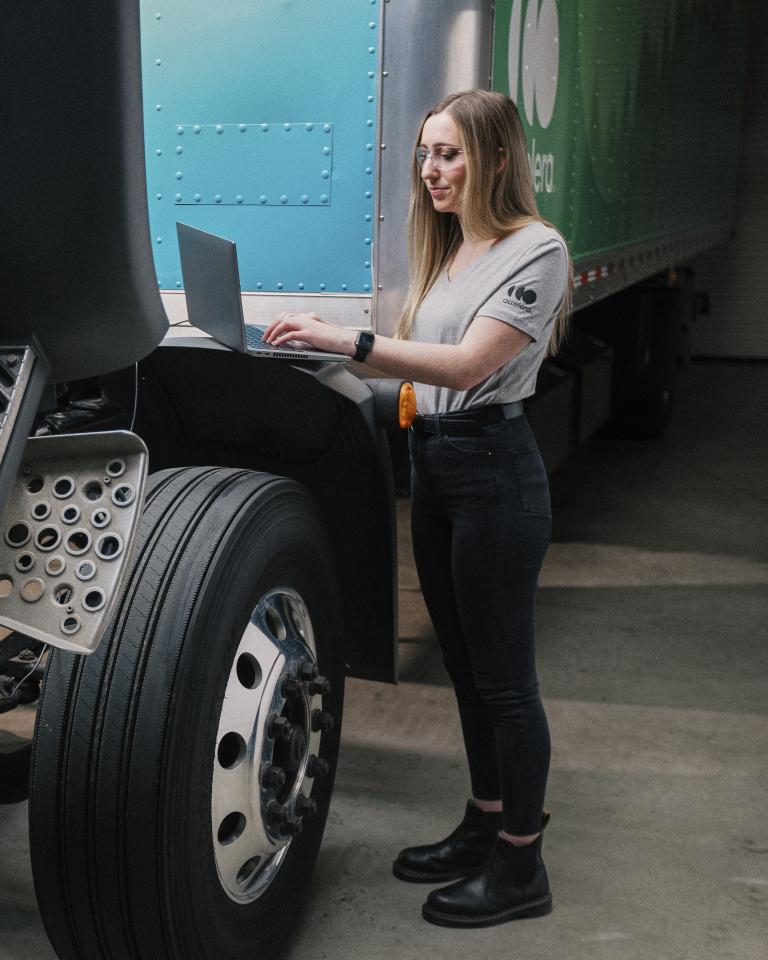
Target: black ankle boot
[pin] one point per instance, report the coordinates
(512, 884)
(465, 850)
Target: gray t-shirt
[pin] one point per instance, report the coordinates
(521, 281)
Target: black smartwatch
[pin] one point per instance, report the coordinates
(364, 345)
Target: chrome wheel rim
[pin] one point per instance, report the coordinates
(267, 745)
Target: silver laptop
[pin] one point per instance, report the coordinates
(212, 289)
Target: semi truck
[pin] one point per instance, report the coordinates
(199, 545)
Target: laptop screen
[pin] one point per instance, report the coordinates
(212, 285)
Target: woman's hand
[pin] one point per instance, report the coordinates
(311, 330)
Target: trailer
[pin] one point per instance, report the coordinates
(196, 625)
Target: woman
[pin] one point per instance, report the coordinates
(489, 296)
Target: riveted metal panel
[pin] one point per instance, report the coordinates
(262, 163)
(279, 63)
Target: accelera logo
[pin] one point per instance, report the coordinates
(534, 55)
(521, 297)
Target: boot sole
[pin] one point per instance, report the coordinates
(534, 908)
(413, 876)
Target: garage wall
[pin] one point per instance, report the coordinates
(735, 276)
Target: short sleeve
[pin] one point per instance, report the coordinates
(531, 296)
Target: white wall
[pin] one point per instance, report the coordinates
(735, 275)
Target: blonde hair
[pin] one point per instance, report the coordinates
(495, 203)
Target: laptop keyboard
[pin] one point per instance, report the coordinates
(253, 336)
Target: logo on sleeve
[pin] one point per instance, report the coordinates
(520, 297)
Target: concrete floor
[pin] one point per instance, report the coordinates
(654, 668)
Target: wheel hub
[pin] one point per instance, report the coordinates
(267, 745)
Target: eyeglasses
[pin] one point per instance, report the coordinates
(443, 158)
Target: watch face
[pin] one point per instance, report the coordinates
(364, 345)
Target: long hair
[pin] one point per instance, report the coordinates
(495, 202)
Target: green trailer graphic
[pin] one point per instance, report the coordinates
(632, 112)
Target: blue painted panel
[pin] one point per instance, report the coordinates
(244, 64)
(263, 163)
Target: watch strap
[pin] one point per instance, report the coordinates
(363, 345)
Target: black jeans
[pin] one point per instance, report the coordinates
(481, 523)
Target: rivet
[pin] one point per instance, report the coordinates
(369, 123)
(279, 286)
(158, 153)
(159, 196)
(178, 284)
(385, 73)
(286, 126)
(219, 128)
(369, 146)
(283, 199)
(368, 194)
(179, 149)
(367, 241)
(239, 198)
(366, 263)
(198, 198)
(178, 196)
(264, 127)
(383, 146)
(327, 127)
(158, 239)
(304, 198)
(370, 99)
(179, 174)
(158, 16)
(381, 217)
(217, 198)
(309, 126)
(371, 49)
(343, 286)
(158, 63)
(325, 174)
(326, 151)
(300, 286)
(371, 74)
(196, 128)
(368, 170)
(366, 287)
(262, 199)
(158, 106)
(372, 24)
(180, 130)
(368, 217)
(322, 286)
(379, 286)
(258, 285)
(242, 128)
(323, 198)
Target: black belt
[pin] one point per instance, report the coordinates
(467, 422)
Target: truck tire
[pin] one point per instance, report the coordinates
(181, 774)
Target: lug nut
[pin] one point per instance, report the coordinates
(274, 777)
(291, 826)
(318, 766)
(279, 727)
(292, 686)
(320, 685)
(305, 806)
(322, 721)
(276, 814)
(308, 670)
